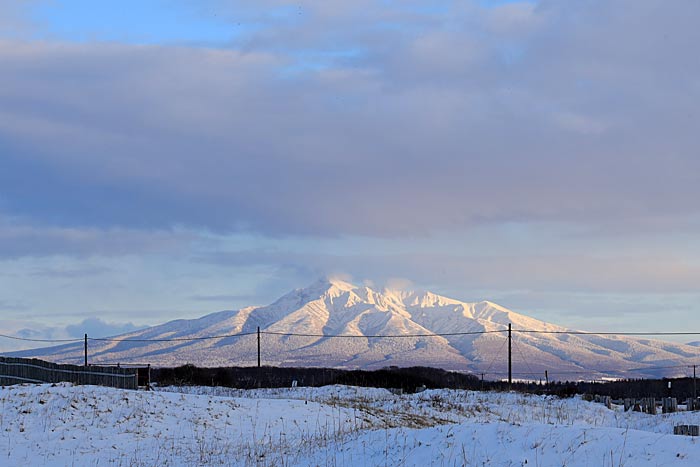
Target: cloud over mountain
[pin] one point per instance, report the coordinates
(288, 137)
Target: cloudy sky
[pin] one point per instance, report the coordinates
(169, 158)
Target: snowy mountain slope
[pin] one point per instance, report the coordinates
(64, 425)
(294, 327)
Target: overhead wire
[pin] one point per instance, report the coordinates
(495, 357)
(170, 339)
(388, 336)
(610, 333)
(354, 336)
(29, 339)
(394, 336)
(517, 347)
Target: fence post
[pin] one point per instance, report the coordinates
(86, 363)
(258, 346)
(695, 392)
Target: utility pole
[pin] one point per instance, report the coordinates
(258, 346)
(695, 390)
(510, 356)
(86, 350)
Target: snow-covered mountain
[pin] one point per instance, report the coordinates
(293, 330)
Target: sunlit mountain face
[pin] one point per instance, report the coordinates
(333, 323)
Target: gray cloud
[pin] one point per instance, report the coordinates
(69, 273)
(96, 327)
(407, 122)
(6, 305)
(19, 240)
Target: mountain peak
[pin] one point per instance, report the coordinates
(340, 284)
(327, 285)
(322, 287)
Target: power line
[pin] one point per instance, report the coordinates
(292, 334)
(496, 355)
(608, 333)
(170, 339)
(388, 336)
(517, 347)
(616, 373)
(360, 336)
(27, 339)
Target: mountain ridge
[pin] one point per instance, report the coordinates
(304, 328)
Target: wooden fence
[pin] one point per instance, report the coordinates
(23, 370)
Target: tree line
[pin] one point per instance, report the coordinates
(409, 380)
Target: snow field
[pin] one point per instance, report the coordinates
(66, 425)
(88, 425)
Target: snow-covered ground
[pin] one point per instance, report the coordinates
(66, 425)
